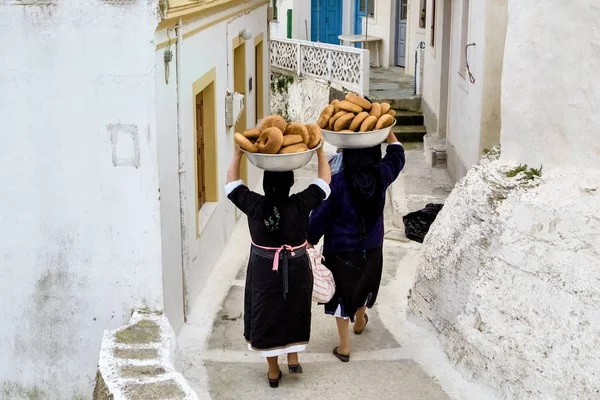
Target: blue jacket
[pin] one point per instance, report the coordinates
(337, 219)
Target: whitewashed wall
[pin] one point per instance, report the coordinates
(464, 123)
(279, 26)
(301, 19)
(414, 34)
(510, 269)
(200, 52)
(435, 69)
(474, 108)
(80, 222)
(383, 25)
(301, 101)
(559, 109)
(168, 161)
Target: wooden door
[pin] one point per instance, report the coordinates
(401, 33)
(326, 21)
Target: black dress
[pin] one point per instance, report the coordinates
(277, 304)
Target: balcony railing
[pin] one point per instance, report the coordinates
(343, 66)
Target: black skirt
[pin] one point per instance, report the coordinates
(357, 276)
(276, 317)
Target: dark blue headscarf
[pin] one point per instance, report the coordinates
(364, 180)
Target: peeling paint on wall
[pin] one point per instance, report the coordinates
(80, 244)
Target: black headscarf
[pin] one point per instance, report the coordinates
(277, 186)
(364, 180)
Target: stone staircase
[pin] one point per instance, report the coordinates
(409, 117)
(409, 126)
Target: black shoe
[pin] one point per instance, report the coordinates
(274, 383)
(342, 357)
(295, 369)
(366, 322)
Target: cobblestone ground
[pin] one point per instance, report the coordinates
(393, 359)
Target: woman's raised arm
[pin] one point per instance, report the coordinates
(233, 173)
(324, 170)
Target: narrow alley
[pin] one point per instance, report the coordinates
(392, 359)
(123, 253)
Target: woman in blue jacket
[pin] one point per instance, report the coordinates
(351, 221)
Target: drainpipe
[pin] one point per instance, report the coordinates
(181, 166)
(418, 63)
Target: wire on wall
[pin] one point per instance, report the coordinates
(468, 68)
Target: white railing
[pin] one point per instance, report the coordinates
(339, 65)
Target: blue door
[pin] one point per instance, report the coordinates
(326, 21)
(361, 11)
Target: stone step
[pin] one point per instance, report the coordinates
(412, 103)
(409, 133)
(435, 150)
(404, 117)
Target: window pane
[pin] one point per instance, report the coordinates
(403, 9)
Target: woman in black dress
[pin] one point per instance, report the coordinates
(278, 294)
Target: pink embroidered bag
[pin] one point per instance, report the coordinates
(324, 285)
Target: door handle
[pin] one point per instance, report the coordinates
(326, 20)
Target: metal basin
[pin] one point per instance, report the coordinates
(281, 162)
(357, 140)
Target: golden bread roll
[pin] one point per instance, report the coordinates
(334, 118)
(343, 122)
(384, 121)
(314, 133)
(359, 101)
(273, 121)
(270, 141)
(348, 106)
(358, 120)
(368, 124)
(244, 143)
(295, 148)
(325, 116)
(375, 110)
(252, 134)
(289, 140)
(295, 128)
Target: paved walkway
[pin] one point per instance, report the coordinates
(393, 359)
(390, 83)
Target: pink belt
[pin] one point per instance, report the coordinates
(285, 252)
(277, 252)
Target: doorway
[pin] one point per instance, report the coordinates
(239, 85)
(401, 33)
(361, 11)
(326, 21)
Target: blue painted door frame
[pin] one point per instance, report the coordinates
(358, 14)
(326, 21)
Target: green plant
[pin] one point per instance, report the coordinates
(524, 173)
(281, 83)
